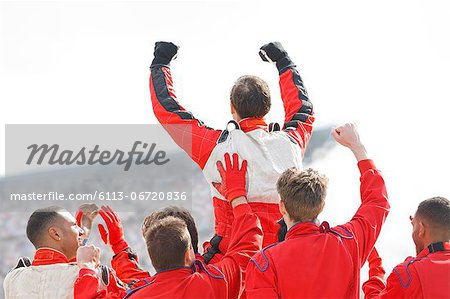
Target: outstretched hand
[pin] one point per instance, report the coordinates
(85, 217)
(233, 183)
(114, 236)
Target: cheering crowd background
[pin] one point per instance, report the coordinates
(383, 65)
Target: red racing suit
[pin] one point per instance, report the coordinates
(425, 276)
(202, 145)
(52, 267)
(319, 261)
(221, 280)
(48, 256)
(126, 266)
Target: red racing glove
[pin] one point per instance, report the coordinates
(233, 178)
(114, 236)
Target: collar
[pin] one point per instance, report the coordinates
(302, 228)
(435, 247)
(252, 123)
(48, 256)
(176, 273)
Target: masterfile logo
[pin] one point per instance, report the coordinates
(53, 154)
(136, 167)
(31, 148)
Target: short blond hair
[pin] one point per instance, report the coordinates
(303, 193)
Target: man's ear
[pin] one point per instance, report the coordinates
(422, 229)
(233, 110)
(282, 208)
(234, 113)
(55, 233)
(187, 257)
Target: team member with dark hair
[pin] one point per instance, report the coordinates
(56, 235)
(183, 214)
(317, 260)
(125, 261)
(428, 274)
(177, 212)
(270, 149)
(179, 274)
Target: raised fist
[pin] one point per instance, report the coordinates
(88, 257)
(348, 136)
(274, 52)
(164, 53)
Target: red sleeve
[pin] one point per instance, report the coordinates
(258, 283)
(86, 285)
(368, 220)
(298, 108)
(196, 139)
(127, 268)
(401, 284)
(375, 284)
(246, 240)
(393, 289)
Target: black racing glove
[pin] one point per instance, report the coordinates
(164, 53)
(274, 52)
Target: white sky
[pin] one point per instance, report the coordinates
(383, 64)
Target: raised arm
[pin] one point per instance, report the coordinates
(125, 261)
(298, 108)
(86, 285)
(375, 284)
(246, 231)
(85, 217)
(366, 224)
(196, 139)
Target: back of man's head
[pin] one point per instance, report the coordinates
(436, 213)
(40, 221)
(177, 212)
(167, 242)
(250, 97)
(303, 193)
